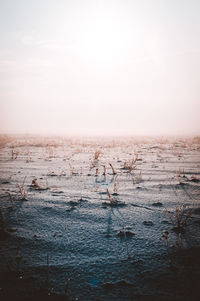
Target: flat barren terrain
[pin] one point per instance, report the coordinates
(99, 218)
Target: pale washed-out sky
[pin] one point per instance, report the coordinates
(100, 67)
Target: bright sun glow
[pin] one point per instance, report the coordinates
(103, 39)
(100, 67)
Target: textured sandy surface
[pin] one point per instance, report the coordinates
(97, 251)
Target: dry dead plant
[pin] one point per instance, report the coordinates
(113, 201)
(73, 172)
(104, 170)
(92, 165)
(130, 165)
(179, 175)
(62, 173)
(37, 186)
(138, 178)
(97, 188)
(179, 218)
(116, 185)
(22, 191)
(29, 159)
(113, 170)
(96, 155)
(110, 198)
(14, 154)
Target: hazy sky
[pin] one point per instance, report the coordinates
(100, 67)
